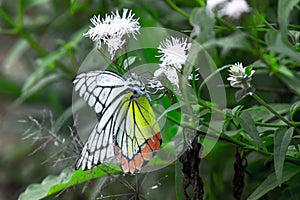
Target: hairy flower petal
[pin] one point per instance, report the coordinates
(238, 77)
(174, 52)
(111, 30)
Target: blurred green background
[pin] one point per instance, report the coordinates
(41, 49)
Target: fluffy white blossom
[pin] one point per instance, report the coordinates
(174, 52)
(230, 8)
(169, 72)
(239, 77)
(110, 31)
(114, 43)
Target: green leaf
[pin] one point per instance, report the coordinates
(248, 125)
(284, 9)
(203, 23)
(178, 180)
(282, 139)
(262, 113)
(293, 83)
(276, 44)
(128, 62)
(25, 4)
(233, 41)
(171, 108)
(68, 177)
(248, 70)
(237, 110)
(294, 109)
(242, 93)
(14, 54)
(285, 71)
(73, 6)
(42, 69)
(271, 182)
(39, 191)
(33, 78)
(46, 81)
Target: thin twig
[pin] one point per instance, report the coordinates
(180, 11)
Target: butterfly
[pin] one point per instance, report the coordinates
(127, 128)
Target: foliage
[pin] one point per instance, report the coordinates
(262, 121)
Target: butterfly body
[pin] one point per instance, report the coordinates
(127, 129)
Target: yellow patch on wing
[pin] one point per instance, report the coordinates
(142, 127)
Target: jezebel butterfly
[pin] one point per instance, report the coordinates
(127, 129)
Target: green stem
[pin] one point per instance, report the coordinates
(270, 125)
(180, 11)
(23, 33)
(211, 76)
(8, 31)
(231, 140)
(262, 102)
(32, 42)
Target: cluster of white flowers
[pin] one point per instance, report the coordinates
(174, 52)
(239, 77)
(230, 8)
(110, 31)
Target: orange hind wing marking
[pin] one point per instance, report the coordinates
(147, 151)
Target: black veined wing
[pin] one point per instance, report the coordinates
(99, 88)
(127, 128)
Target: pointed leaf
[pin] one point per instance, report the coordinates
(68, 177)
(39, 191)
(202, 22)
(73, 6)
(270, 182)
(276, 44)
(171, 108)
(248, 70)
(233, 41)
(242, 93)
(247, 123)
(178, 180)
(293, 83)
(284, 9)
(282, 139)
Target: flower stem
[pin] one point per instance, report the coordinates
(173, 5)
(210, 76)
(262, 102)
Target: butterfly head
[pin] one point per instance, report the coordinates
(136, 86)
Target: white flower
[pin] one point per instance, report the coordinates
(174, 52)
(110, 30)
(169, 72)
(125, 24)
(239, 77)
(230, 8)
(113, 44)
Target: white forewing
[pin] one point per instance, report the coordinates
(100, 88)
(104, 92)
